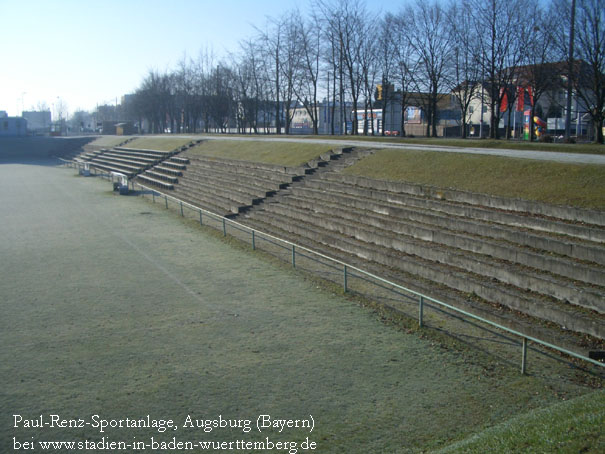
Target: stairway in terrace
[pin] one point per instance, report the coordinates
(226, 187)
(522, 269)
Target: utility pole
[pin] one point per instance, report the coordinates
(570, 70)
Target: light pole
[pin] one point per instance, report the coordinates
(22, 102)
(570, 69)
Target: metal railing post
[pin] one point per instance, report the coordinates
(344, 278)
(201, 223)
(420, 311)
(224, 228)
(182, 215)
(166, 198)
(524, 356)
(293, 256)
(153, 196)
(253, 242)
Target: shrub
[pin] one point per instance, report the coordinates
(546, 138)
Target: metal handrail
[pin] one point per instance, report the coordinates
(346, 267)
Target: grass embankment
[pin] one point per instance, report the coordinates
(587, 148)
(280, 153)
(108, 141)
(568, 427)
(580, 185)
(160, 143)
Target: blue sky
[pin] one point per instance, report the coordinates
(85, 53)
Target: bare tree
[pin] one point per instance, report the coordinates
(345, 20)
(430, 29)
(246, 82)
(289, 65)
(369, 69)
(502, 28)
(590, 49)
(272, 39)
(405, 64)
(465, 75)
(61, 110)
(332, 56)
(387, 60)
(565, 38)
(308, 37)
(540, 74)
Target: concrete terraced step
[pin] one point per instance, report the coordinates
(523, 207)
(453, 277)
(212, 198)
(250, 165)
(161, 176)
(237, 196)
(118, 164)
(214, 205)
(168, 170)
(242, 168)
(179, 160)
(147, 179)
(134, 163)
(144, 152)
(529, 325)
(110, 168)
(484, 245)
(445, 207)
(131, 157)
(507, 272)
(254, 186)
(506, 236)
(174, 165)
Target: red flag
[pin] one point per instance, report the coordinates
(504, 103)
(531, 96)
(520, 99)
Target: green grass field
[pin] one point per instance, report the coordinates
(563, 184)
(115, 306)
(280, 153)
(569, 427)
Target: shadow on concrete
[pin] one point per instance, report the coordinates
(45, 162)
(39, 150)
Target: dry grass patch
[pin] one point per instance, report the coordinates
(580, 185)
(269, 152)
(108, 141)
(583, 148)
(168, 143)
(567, 427)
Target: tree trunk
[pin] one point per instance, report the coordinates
(598, 124)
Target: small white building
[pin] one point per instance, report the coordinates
(13, 127)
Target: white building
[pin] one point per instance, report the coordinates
(38, 122)
(13, 126)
